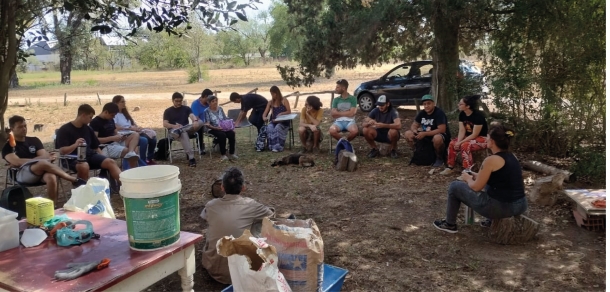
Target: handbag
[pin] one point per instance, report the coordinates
(226, 125)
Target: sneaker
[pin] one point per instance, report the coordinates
(486, 223)
(130, 155)
(438, 163)
(151, 162)
(373, 153)
(79, 182)
(224, 158)
(393, 154)
(446, 171)
(233, 157)
(274, 150)
(444, 226)
(192, 162)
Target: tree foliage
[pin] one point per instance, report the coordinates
(283, 41)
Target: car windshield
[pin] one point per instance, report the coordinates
(400, 72)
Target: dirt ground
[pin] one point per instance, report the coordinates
(375, 222)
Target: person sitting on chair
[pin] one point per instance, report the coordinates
(251, 101)
(229, 215)
(496, 192)
(198, 107)
(213, 115)
(471, 137)
(117, 145)
(148, 137)
(309, 124)
(433, 123)
(34, 162)
(343, 110)
(277, 131)
(177, 116)
(382, 125)
(77, 132)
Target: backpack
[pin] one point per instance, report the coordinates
(342, 144)
(161, 151)
(424, 153)
(261, 140)
(13, 199)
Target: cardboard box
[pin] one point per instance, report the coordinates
(38, 210)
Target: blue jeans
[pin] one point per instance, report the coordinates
(147, 147)
(459, 192)
(126, 163)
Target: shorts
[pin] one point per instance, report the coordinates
(446, 139)
(383, 136)
(25, 174)
(95, 162)
(344, 125)
(113, 150)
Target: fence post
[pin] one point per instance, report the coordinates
(417, 101)
(65, 99)
(332, 96)
(99, 101)
(296, 102)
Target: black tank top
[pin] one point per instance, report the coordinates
(506, 183)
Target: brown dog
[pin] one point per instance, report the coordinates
(295, 158)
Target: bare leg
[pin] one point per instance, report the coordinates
(316, 139)
(303, 135)
(410, 136)
(82, 170)
(370, 134)
(394, 137)
(51, 181)
(334, 132)
(353, 132)
(132, 141)
(110, 165)
(439, 145)
(44, 166)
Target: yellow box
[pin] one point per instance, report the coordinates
(38, 210)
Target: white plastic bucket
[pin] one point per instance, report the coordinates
(151, 195)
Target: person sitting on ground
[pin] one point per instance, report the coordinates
(277, 131)
(251, 101)
(198, 107)
(431, 124)
(148, 137)
(496, 192)
(471, 137)
(175, 118)
(117, 145)
(213, 115)
(343, 110)
(34, 162)
(382, 125)
(229, 215)
(309, 124)
(77, 132)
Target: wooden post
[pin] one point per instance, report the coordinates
(513, 230)
(99, 101)
(547, 169)
(332, 96)
(417, 101)
(347, 161)
(297, 99)
(65, 99)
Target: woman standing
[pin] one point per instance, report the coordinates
(496, 192)
(148, 137)
(213, 115)
(277, 131)
(309, 125)
(471, 137)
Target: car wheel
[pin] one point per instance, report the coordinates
(366, 102)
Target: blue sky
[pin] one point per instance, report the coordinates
(261, 7)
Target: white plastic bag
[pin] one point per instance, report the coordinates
(92, 198)
(252, 263)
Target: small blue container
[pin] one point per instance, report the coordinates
(332, 282)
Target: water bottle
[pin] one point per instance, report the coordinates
(82, 152)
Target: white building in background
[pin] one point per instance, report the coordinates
(46, 55)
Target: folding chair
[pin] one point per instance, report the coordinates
(209, 137)
(194, 139)
(11, 179)
(233, 114)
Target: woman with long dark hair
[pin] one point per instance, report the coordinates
(309, 124)
(496, 192)
(471, 137)
(148, 137)
(277, 131)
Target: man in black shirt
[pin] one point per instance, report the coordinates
(382, 125)
(431, 123)
(34, 162)
(251, 101)
(118, 145)
(176, 120)
(76, 132)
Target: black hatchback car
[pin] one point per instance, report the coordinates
(404, 83)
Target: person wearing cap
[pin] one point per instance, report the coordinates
(431, 123)
(382, 125)
(198, 107)
(251, 101)
(343, 110)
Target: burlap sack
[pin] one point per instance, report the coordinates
(300, 251)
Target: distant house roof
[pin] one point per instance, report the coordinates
(44, 48)
(112, 41)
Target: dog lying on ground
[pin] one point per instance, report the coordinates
(38, 127)
(295, 158)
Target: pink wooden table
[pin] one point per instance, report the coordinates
(33, 269)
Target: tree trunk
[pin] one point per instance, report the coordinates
(547, 169)
(513, 230)
(545, 190)
(65, 64)
(14, 82)
(8, 55)
(446, 27)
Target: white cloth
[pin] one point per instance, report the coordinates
(121, 121)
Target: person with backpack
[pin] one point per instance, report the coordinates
(34, 162)
(214, 117)
(429, 130)
(471, 137)
(382, 125)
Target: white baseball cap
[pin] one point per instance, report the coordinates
(382, 100)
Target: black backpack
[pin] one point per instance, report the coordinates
(161, 151)
(424, 153)
(13, 198)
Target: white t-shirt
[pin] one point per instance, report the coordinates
(121, 121)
